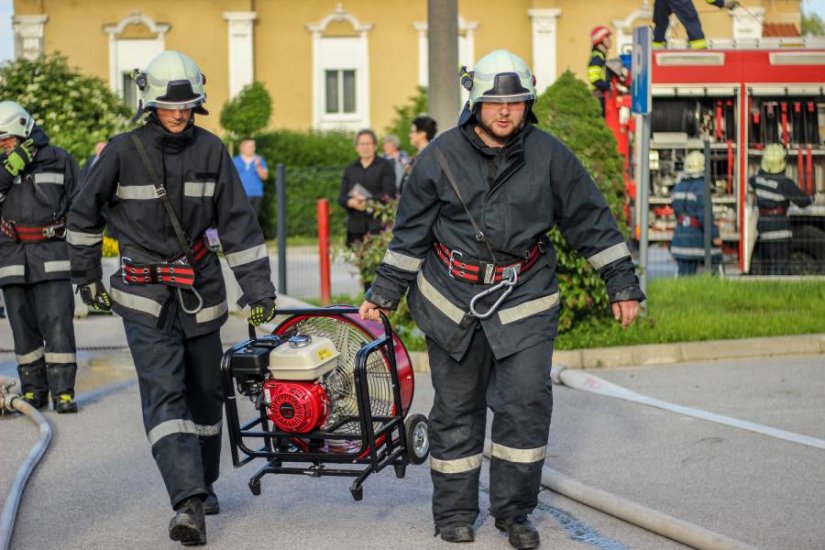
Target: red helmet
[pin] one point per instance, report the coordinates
(598, 34)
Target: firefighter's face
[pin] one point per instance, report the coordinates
(174, 120)
(501, 120)
(8, 144)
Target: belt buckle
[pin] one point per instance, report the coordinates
(124, 261)
(48, 232)
(451, 264)
(511, 273)
(686, 222)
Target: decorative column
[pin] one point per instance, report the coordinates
(28, 35)
(241, 49)
(544, 46)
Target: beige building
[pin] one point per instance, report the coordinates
(329, 64)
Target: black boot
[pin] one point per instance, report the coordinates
(65, 403)
(520, 532)
(38, 402)
(458, 532)
(211, 506)
(188, 526)
(33, 384)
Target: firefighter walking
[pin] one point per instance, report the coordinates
(470, 244)
(37, 181)
(774, 194)
(686, 13)
(164, 184)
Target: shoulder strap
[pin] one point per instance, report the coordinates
(183, 238)
(479, 234)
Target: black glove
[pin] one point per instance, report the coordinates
(94, 294)
(262, 311)
(20, 157)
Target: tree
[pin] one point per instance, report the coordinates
(568, 110)
(248, 112)
(404, 115)
(75, 110)
(812, 25)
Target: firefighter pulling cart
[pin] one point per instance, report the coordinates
(327, 395)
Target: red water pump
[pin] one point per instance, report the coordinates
(296, 407)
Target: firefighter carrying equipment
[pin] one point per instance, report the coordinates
(14, 120)
(172, 80)
(33, 233)
(773, 159)
(20, 157)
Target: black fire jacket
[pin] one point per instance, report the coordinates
(516, 195)
(39, 196)
(205, 191)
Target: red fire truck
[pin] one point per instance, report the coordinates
(740, 99)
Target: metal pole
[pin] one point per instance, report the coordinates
(322, 211)
(280, 187)
(443, 88)
(708, 209)
(644, 206)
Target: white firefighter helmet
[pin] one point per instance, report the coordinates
(501, 77)
(695, 164)
(171, 80)
(773, 160)
(14, 120)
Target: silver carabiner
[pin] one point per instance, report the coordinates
(508, 280)
(183, 303)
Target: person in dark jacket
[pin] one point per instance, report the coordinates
(688, 201)
(164, 184)
(774, 194)
(597, 66)
(686, 13)
(37, 181)
(470, 243)
(370, 178)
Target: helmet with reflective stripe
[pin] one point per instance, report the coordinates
(695, 164)
(14, 120)
(773, 160)
(172, 80)
(598, 34)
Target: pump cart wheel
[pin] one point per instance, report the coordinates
(418, 439)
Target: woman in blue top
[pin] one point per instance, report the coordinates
(253, 171)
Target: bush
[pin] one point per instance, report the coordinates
(404, 115)
(569, 111)
(75, 110)
(246, 113)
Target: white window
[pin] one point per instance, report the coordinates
(340, 89)
(128, 54)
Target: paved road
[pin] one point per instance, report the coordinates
(98, 487)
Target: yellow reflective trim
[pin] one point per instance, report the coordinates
(457, 465)
(57, 265)
(402, 261)
(439, 300)
(522, 456)
(139, 303)
(31, 357)
(61, 357)
(211, 313)
(609, 255)
(531, 307)
(247, 256)
(18, 270)
(78, 238)
(698, 44)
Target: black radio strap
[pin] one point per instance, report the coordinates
(183, 238)
(479, 234)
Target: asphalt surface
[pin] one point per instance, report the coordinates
(98, 488)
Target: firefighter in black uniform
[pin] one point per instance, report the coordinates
(774, 193)
(686, 13)
(597, 66)
(37, 181)
(470, 244)
(164, 184)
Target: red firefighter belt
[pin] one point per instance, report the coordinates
(176, 272)
(33, 233)
(474, 271)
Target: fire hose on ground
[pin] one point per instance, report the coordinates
(12, 402)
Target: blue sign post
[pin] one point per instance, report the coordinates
(641, 68)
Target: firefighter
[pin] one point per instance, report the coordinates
(37, 181)
(470, 243)
(688, 201)
(686, 13)
(774, 193)
(597, 66)
(163, 185)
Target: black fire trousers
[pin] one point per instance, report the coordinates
(518, 391)
(41, 319)
(181, 396)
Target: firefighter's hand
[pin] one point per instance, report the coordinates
(95, 296)
(731, 4)
(626, 312)
(370, 311)
(262, 311)
(19, 158)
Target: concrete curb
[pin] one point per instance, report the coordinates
(664, 354)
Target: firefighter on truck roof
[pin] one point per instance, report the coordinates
(164, 184)
(470, 243)
(37, 181)
(686, 13)
(597, 78)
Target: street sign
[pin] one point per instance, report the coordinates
(640, 68)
